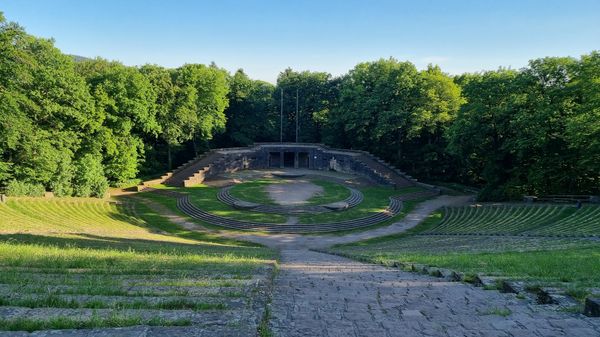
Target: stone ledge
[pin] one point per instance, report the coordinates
(240, 204)
(592, 307)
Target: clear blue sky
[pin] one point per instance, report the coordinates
(264, 37)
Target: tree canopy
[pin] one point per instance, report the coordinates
(75, 126)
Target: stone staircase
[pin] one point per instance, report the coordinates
(189, 173)
(194, 171)
(389, 173)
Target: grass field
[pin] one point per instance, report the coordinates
(111, 264)
(551, 260)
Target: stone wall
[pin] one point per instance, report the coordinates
(320, 157)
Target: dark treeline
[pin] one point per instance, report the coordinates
(76, 127)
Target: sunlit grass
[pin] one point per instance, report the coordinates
(55, 253)
(565, 262)
(254, 191)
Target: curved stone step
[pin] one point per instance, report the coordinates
(187, 207)
(355, 198)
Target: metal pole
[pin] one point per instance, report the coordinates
(297, 116)
(281, 120)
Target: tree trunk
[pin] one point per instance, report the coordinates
(195, 147)
(169, 155)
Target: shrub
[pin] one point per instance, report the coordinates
(89, 177)
(17, 188)
(61, 183)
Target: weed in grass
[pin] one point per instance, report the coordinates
(263, 328)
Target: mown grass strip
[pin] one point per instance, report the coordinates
(53, 301)
(63, 322)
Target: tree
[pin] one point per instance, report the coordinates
(582, 131)
(316, 95)
(125, 107)
(89, 178)
(45, 109)
(175, 121)
(250, 115)
(481, 128)
(391, 109)
(203, 90)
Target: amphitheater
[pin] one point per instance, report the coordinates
(291, 161)
(300, 240)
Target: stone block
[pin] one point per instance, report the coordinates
(420, 268)
(514, 287)
(592, 307)
(450, 275)
(435, 272)
(486, 281)
(548, 295)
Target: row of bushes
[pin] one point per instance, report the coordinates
(84, 178)
(16, 188)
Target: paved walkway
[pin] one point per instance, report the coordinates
(325, 295)
(317, 294)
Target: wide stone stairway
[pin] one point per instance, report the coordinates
(320, 294)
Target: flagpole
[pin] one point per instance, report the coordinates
(297, 116)
(281, 120)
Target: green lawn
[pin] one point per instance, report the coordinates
(93, 254)
(332, 192)
(254, 191)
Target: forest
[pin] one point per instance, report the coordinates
(75, 126)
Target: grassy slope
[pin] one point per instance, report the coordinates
(545, 260)
(50, 248)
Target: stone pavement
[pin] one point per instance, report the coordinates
(319, 294)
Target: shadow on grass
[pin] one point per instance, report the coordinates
(97, 242)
